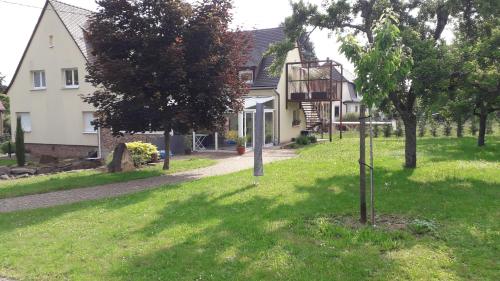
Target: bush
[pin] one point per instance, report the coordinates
(313, 139)
(399, 129)
(142, 153)
(434, 127)
(4, 147)
(420, 227)
(421, 128)
(376, 131)
(387, 130)
(473, 126)
(303, 140)
(447, 128)
(351, 117)
(20, 148)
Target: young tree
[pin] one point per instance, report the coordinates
(20, 149)
(421, 25)
(163, 65)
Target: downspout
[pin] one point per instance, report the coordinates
(279, 115)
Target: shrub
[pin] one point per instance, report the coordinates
(20, 148)
(447, 128)
(434, 127)
(421, 128)
(302, 140)
(376, 131)
(387, 130)
(141, 152)
(240, 141)
(313, 139)
(399, 129)
(4, 147)
(351, 117)
(473, 126)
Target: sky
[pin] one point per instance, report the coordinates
(18, 21)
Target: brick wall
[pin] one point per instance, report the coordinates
(60, 150)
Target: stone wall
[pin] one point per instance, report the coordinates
(60, 150)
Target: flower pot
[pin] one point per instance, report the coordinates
(241, 150)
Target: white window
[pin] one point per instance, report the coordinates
(246, 76)
(356, 109)
(71, 78)
(25, 121)
(38, 79)
(88, 117)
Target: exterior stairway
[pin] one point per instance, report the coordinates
(312, 114)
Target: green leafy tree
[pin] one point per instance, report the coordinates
(20, 147)
(415, 26)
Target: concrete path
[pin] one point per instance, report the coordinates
(226, 163)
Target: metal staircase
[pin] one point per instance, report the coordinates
(312, 114)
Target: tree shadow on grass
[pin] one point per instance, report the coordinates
(245, 235)
(446, 149)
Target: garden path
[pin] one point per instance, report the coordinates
(226, 164)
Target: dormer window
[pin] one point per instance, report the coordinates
(246, 76)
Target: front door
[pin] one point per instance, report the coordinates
(249, 128)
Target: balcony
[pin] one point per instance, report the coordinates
(314, 81)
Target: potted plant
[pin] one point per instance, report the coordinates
(240, 146)
(188, 145)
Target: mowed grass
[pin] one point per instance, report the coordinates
(87, 178)
(224, 228)
(7, 162)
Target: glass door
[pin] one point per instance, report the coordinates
(249, 129)
(268, 128)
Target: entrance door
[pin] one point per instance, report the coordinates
(249, 129)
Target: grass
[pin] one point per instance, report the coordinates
(87, 178)
(7, 162)
(224, 228)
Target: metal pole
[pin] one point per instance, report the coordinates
(341, 97)
(362, 166)
(372, 195)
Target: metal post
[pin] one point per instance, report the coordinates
(194, 141)
(330, 129)
(216, 141)
(362, 166)
(372, 195)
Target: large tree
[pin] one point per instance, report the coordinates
(477, 72)
(421, 25)
(163, 65)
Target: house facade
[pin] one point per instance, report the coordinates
(47, 88)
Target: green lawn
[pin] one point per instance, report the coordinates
(224, 228)
(7, 162)
(70, 180)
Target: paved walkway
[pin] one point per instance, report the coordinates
(226, 163)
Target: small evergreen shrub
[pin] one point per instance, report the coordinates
(313, 139)
(4, 147)
(20, 148)
(376, 131)
(447, 128)
(434, 128)
(302, 140)
(387, 130)
(351, 117)
(399, 129)
(141, 152)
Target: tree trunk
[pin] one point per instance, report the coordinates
(362, 166)
(410, 121)
(460, 127)
(483, 116)
(166, 162)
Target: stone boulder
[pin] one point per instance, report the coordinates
(4, 170)
(22, 171)
(122, 160)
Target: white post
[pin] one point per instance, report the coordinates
(216, 141)
(240, 125)
(194, 141)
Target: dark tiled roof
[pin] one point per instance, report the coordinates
(261, 39)
(75, 20)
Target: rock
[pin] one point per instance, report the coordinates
(4, 170)
(20, 171)
(4, 177)
(122, 161)
(48, 159)
(23, 176)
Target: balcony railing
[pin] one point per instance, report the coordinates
(314, 81)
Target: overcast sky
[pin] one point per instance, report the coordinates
(17, 23)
